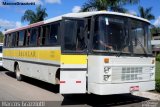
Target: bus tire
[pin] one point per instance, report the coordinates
(18, 73)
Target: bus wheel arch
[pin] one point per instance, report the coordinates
(57, 76)
(17, 71)
(15, 64)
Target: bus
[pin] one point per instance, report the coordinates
(99, 52)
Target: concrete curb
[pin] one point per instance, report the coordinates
(150, 95)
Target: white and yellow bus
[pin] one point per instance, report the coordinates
(98, 52)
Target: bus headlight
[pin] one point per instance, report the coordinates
(106, 77)
(107, 69)
(107, 73)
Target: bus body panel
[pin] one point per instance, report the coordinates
(119, 88)
(73, 74)
(72, 82)
(33, 62)
(8, 64)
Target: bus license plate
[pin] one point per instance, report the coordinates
(134, 88)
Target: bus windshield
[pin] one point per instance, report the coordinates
(121, 34)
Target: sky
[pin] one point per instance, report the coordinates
(10, 15)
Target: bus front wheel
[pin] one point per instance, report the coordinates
(18, 73)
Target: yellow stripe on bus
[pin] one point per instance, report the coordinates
(74, 59)
(52, 55)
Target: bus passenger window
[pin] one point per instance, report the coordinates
(47, 35)
(28, 37)
(10, 40)
(25, 37)
(80, 39)
(43, 35)
(33, 37)
(53, 34)
(38, 36)
(5, 40)
(74, 36)
(17, 38)
(13, 39)
(69, 35)
(21, 38)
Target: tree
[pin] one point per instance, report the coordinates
(33, 17)
(146, 13)
(113, 5)
(1, 37)
(155, 30)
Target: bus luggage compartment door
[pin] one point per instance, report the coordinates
(72, 82)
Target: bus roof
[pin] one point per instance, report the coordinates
(76, 15)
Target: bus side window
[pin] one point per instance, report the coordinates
(33, 37)
(74, 35)
(5, 40)
(38, 36)
(53, 37)
(21, 38)
(17, 39)
(43, 35)
(47, 35)
(13, 39)
(25, 38)
(28, 37)
(10, 40)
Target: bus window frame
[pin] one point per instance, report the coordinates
(58, 33)
(19, 38)
(27, 38)
(35, 42)
(132, 54)
(5, 40)
(62, 36)
(42, 36)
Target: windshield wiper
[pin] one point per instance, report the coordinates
(145, 52)
(120, 52)
(129, 44)
(125, 45)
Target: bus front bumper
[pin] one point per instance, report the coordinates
(119, 88)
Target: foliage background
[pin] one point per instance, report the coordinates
(158, 74)
(1, 37)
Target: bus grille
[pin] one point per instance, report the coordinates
(126, 74)
(131, 73)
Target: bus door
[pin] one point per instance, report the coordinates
(74, 55)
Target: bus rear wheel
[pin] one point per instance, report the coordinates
(18, 73)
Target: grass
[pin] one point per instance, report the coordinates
(157, 76)
(158, 70)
